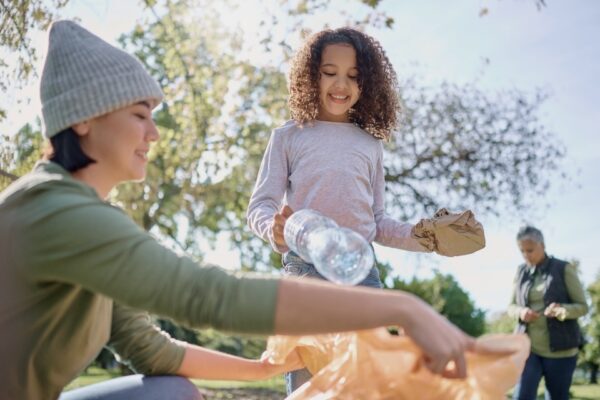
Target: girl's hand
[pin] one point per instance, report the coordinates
(291, 363)
(278, 226)
(528, 315)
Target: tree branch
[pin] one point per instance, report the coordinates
(8, 175)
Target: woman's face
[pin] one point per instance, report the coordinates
(338, 85)
(533, 252)
(119, 142)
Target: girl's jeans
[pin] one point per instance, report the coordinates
(295, 266)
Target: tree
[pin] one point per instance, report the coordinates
(446, 296)
(500, 323)
(460, 147)
(17, 20)
(591, 350)
(18, 153)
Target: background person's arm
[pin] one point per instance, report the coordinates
(390, 232)
(524, 314)
(578, 306)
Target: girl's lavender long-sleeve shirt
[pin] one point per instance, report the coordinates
(331, 167)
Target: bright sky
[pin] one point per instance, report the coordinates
(555, 49)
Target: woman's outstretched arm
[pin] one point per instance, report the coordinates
(308, 306)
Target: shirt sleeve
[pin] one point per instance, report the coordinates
(100, 248)
(514, 310)
(142, 345)
(578, 306)
(390, 232)
(269, 190)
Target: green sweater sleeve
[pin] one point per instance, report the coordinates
(86, 242)
(143, 346)
(578, 306)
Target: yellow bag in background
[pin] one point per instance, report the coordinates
(375, 365)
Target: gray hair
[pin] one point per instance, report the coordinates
(531, 233)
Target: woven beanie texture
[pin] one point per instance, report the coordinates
(85, 77)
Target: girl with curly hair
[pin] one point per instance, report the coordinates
(329, 156)
(77, 274)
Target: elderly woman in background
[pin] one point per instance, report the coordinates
(547, 300)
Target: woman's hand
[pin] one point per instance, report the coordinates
(528, 315)
(310, 307)
(278, 226)
(440, 341)
(555, 310)
(291, 363)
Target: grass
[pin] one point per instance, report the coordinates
(579, 390)
(585, 392)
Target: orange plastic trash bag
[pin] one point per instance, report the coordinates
(375, 365)
(450, 234)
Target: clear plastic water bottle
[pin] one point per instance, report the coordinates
(339, 254)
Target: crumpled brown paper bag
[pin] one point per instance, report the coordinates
(375, 365)
(450, 234)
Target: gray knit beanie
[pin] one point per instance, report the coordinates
(85, 77)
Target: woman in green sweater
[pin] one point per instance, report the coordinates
(77, 274)
(547, 300)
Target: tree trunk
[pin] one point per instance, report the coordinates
(593, 373)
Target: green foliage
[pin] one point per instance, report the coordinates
(243, 346)
(216, 119)
(19, 153)
(446, 296)
(17, 20)
(591, 350)
(500, 323)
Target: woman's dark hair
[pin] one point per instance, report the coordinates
(66, 151)
(376, 110)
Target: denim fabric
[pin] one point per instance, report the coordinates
(557, 373)
(134, 387)
(293, 265)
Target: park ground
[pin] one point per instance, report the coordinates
(274, 389)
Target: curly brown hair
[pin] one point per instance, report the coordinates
(377, 108)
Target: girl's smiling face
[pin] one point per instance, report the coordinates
(338, 82)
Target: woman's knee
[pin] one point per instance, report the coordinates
(181, 388)
(134, 387)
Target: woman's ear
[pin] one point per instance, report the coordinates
(82, 128)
